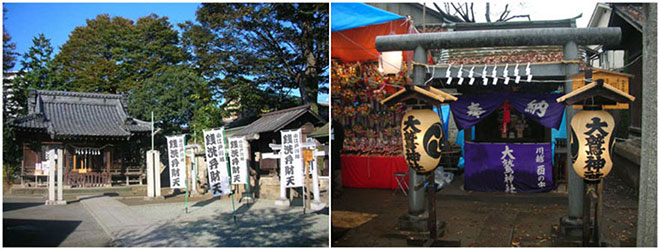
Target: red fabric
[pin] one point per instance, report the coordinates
(372, 171)
(507, 115)
(360, 45)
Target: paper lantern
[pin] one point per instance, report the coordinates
(422, 138)
(591, 143)
(390, 62)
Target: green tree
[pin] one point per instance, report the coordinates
(179, 98)
(35, 72)
(114, 55)
(10, 149)
(269, 48)
(8, 48)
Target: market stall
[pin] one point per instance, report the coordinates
(360, 79)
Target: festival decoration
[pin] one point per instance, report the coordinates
(421, 131)
(592, 134)
(592, 128)
(390, 62)
(357, 89)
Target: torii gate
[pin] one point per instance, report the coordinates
(569, 38)
(317, 204)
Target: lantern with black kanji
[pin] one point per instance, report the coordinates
(593, 128)
(422, 138)
(421, 129)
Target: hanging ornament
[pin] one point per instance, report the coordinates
(591, 142)
(421, 132)
(390, 62)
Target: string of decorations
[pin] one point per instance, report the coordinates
(88, 150)
(485, 75)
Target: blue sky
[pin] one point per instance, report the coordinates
(24, 21)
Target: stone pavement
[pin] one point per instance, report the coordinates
(208, 223)
(478, 219)
(28, 222)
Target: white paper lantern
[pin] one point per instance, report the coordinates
(390, 62)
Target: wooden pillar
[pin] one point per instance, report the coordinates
(108, 161)
(23, 166)
(107, 165)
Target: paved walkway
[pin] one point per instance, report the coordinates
(28, 222)
(208, 223)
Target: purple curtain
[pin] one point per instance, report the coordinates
(543, 109)
(508, 167)
(471, 109)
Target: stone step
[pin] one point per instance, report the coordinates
(122, 191)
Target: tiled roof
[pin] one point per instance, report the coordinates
(491, 55)
(277, 120)
(459, 26)
(66, 114)
(34, 121)
(633, 12)
(496, 55)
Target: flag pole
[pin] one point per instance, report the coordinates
(233, 206)
(185, 170)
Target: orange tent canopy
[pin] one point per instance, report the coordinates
(358, 44)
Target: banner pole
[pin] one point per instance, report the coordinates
(186, 170)
(233, 206)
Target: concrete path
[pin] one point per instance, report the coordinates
(208, 223)
(28, 222)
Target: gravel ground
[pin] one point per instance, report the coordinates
(480, 219)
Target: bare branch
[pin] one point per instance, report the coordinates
(504, 13)
(446, 15)
(488, 12)
(471, 10)
(519, 16)
(460, 12)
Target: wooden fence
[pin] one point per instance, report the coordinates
(74, 179)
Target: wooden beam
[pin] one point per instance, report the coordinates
(109, 160)
(596, 89)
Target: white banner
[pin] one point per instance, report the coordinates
(176, 153)
(216, 162)
(238, 159)
(291, 160)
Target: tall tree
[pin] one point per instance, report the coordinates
(114, 55)
(10, 148)
(179, 97)
(8, 48)
(35, 72)
(272, 47)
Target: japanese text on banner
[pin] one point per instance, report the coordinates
(216, 162)
(176, 153)
(291, 162)
(238, 159)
